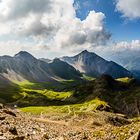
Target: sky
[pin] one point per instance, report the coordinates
(55, 28)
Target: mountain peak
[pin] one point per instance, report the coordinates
(56, 60)
(24, 54)
(93, 65)
(85, 52)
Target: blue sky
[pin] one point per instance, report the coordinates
(121, 28)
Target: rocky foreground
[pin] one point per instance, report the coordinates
(15, 125)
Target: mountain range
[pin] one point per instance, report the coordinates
(130, 61)
(24, 66)
(28, 81)
(93, 65)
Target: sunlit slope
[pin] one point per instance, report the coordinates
(121, 96)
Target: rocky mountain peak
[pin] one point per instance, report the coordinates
(57, 60)
(85, 51)
(88, 55)
(94, 65)
(25, 55)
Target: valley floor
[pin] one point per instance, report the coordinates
(98, 125)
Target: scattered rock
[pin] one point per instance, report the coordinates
(30, 127)
(1, 106)
(13, 130)
(103, 108)
(9, 112)
(46, 136)
(2, 118)
(3, 138)
(118, 121)
(19, 138)
(135, 137)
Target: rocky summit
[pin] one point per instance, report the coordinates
(93, 65)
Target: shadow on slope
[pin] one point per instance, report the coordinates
(109, 94)
(9, 91)
(122, 97)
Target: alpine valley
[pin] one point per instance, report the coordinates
(52, 99)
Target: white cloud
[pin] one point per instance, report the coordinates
(132, 46)
(129, 8)
(119, 50)
(53, 23)
(17, 9)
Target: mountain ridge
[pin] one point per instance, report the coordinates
(24, 66)
(93, 65)
(28, 68)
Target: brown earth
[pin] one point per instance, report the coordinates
(15, 125)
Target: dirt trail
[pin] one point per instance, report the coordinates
(19, 126)
(42, 120)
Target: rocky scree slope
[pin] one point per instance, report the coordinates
(15, 125)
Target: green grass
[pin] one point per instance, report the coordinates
(88, 78)
(30, 85)
(28, 93)
(124, 80)
(30, 88)
(50, 94)
(83, 98)
(58, 86)
(10, 93)
(69, 109)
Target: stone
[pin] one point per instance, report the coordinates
(19, 138)
(1, 106)
(3, 138)
(9, 112)
(135, 137)
(13, 130)
(2, 118)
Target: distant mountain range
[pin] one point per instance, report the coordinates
(130, 61)
(93, 65)
(24, 66)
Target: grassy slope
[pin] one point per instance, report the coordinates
(10, 93)
(70, 109)
(26, 94)
(85, 96)
(30, 89)
(124, 80)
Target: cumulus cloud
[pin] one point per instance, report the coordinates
(117, 51)
(14, 9)
(129, 8)
(124, 46)
(54, 23)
